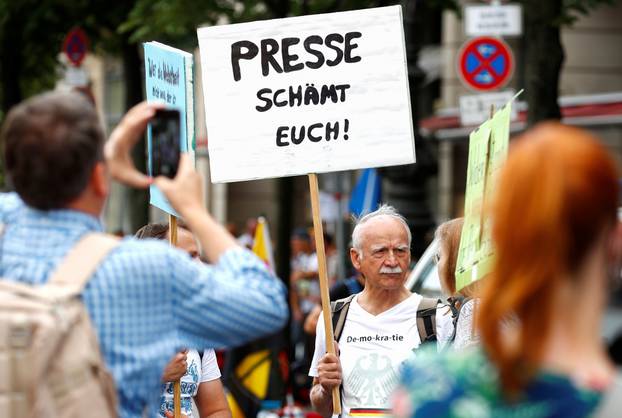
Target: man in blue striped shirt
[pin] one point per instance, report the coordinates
(146, 299)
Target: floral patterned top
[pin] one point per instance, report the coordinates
(466, 336)
(465, 384)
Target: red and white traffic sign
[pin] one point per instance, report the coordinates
(485, 63)
(75, 46)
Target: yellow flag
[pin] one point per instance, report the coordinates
(262, 245)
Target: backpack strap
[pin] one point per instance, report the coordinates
(75, 270)
(426, 319)
(339, 311)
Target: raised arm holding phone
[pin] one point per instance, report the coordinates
(146, 300)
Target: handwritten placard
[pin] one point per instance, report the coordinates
(307, 94)
(168, 78)
(488, 148)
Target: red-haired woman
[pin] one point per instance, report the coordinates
(554, 220)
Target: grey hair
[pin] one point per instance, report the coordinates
(383, 210)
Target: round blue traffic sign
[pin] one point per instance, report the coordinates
(485, 63)
(75, 46)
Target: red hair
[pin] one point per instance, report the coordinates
(448, 234)
(556, 194)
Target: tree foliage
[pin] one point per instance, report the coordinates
(31, 36)
(32, 31)
(544, 52)
(573, 9)
(175, 22)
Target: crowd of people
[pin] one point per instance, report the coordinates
(524, 341)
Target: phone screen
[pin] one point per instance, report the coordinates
(165, 143)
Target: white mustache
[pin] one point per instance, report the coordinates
(390, 270)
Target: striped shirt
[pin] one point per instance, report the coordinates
(146, 299)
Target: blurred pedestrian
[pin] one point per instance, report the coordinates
(542, 354)
(198, 372)
(304, 281)
(248, 237)
(340, 290)
(304, 294)
(332, 258)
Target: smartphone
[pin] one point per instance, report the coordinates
(165, 142)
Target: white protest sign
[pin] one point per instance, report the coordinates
(496, 20)
(475, 109)
(307, 94)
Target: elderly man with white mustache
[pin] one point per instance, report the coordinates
(380, 330)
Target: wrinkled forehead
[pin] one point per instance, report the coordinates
(382, 231)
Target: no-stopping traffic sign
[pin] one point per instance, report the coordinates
(75, 46)
(485, 63)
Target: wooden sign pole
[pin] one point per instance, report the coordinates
(321, 258)
(172, 232)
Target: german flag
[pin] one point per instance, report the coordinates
(370, 412)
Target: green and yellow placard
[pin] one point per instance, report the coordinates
(488, 147)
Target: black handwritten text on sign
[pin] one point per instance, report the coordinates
(282, 57)
(287, 60)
